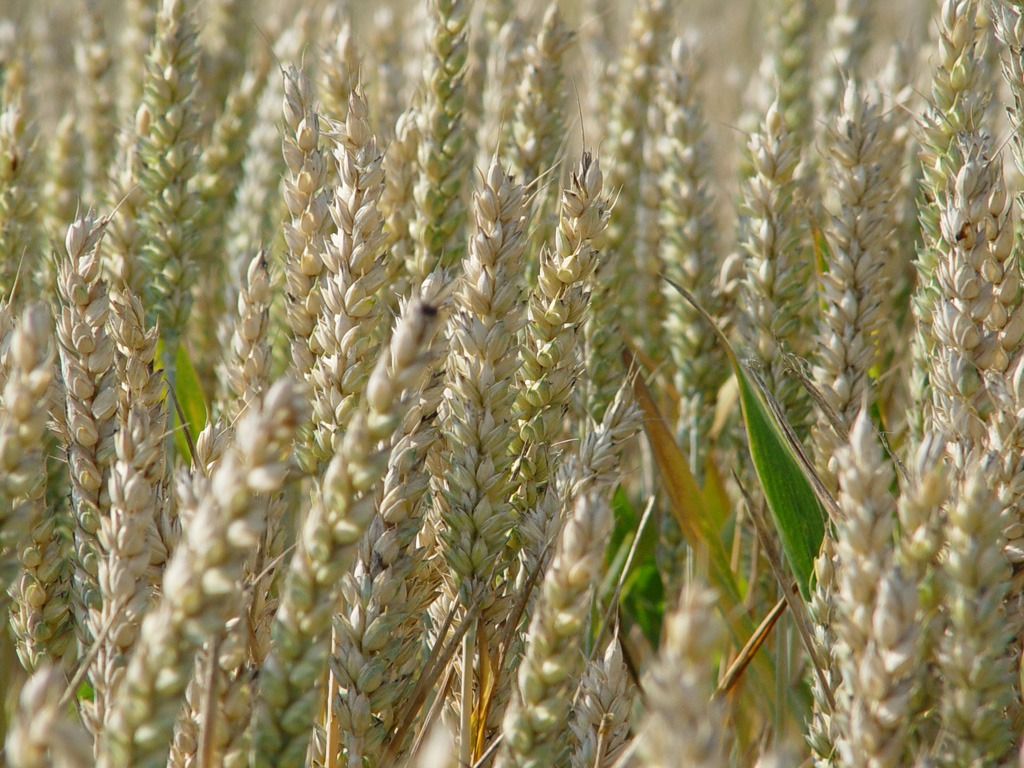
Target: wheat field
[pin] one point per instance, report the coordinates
(464, 384)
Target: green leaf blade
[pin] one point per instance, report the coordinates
(798, 516)
(795, 509)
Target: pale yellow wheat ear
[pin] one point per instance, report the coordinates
(340, 66)
(974, 572)
(342, 507)
(550, 670)
(348, 329)
(877, 665)
(18, 204)
(631, 164)
(956, 107)
(305, 228)
(198, 588)
(140, 530)
(863, 161)
(95, 97)
(786, 66)
(558, 307)
(472, 496)
(34, 564)
(87, 360)
(538, 126)
(40, 613)
(776, 263)
(849, 40)
(245, 371)
(600, 717)
(220, 172)
(400, 174)
(682, 723)
(41, 732)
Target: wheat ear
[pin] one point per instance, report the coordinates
(328, 542)
(199, 589)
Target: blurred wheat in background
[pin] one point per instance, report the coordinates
(484, 383)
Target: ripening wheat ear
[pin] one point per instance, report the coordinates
(305, 227)
(1005, 437)
(135, 34)
(479, 397)
(443, 152)
(18, 206)
(199, 593)
(849, 38)
(633, 93)
(876, 606)
(245, 372)
(504, 70)
(40, 611)
(339, 67)
(168, 124)
(557, 308)
(975, 654)
(259, 211)
(472, 496)
(225, 40)
(683, 725)
(29, 367)
(776, 263)
(596, 463)
(538, 126)
(89, 373)
(823, 730)
(398, 206)
(218, 177)
(96, 108)
(41, 733)
(633, 262)
(389, 57)
(136, 536)
(787, 66)
(141, 384)
(61, 190)
(957, 105)
(549, 672)
(689, 251)
(863, 163)
(30, 539)
(256, 213)
(378, 629)
(122, 194)
(124, 560)
(601, 711)
(550, 350)
(348, 328)
(342, 507)
(978, 318)
(1009, 28)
